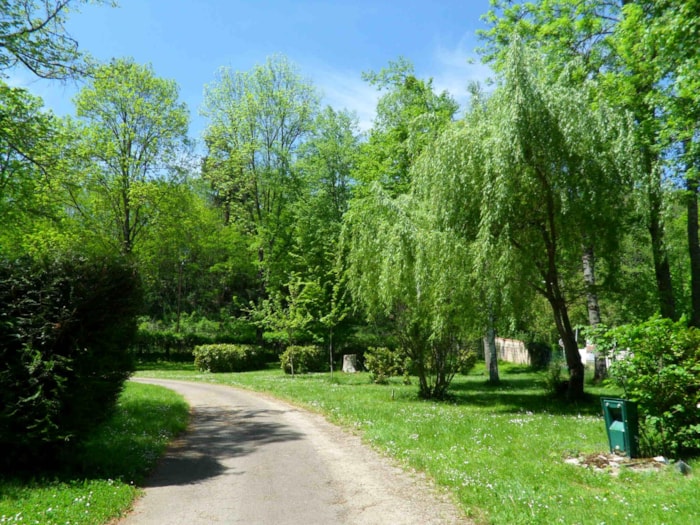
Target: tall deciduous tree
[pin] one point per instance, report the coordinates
(384, 273)
(590, 35)
(665, 33)
(524, 182)
(410, 115)
(326, 163)
(257, 121)
(133, 135)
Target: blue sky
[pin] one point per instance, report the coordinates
(332, 42)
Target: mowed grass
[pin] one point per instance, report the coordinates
(499, 449)
(103, 480)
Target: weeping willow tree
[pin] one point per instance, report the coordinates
(398, 268)
(530, 176)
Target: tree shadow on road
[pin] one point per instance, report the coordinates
(217, 434)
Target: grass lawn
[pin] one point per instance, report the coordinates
(104, 479)
(499, 449)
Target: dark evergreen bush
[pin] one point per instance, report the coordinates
(65, 326)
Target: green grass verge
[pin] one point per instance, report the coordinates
(104, 477)
(499, 449)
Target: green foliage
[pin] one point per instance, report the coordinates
(228, 358)
(657, 364)
(33, 34)
(540, 354)
(133, 136)
(517, 188)
(399, 269)
(258, 120)
(304, 359)
(554, 384)
(467, 359)
(190, 261)
(157, 340)
(29, 148)
(65, 326)
(382, 363)
(101, 478)
(410, 115)
(295, 316)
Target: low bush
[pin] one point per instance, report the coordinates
(540, 354)
(65, 326)
(304, 359)
(657, 363)
(466, 361)
(228, 358)
(382, 363)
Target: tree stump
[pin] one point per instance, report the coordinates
(350, 363)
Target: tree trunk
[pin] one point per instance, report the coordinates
(662, 268)
(494, 378)
(694, 249)
(568, 337)
(588, 260)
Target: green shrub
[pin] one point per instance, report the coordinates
(228, 358)
(157, 340)
(540, 354)
(303, 359)
(65, 326)
(382, 363)
(554, 383)
(657, 364)
(466, 361)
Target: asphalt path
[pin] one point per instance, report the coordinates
(248, 458)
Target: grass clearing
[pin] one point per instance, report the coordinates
(103, 479)
(499, 449)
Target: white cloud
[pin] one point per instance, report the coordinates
(455, 68)
(346, 89)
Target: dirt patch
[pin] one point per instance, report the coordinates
(614, 464)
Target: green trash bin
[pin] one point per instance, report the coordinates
(622, 426)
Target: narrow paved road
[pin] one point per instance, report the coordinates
(250, 459)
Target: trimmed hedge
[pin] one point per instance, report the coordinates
(65, 326)
(304, 359)
(228, 358)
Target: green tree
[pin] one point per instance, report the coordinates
(665, 32)
(190, 261)
(398, 268)
(326, 163)
(27, 137)
(410, 115)
(524, 182)
(33, 34)
(257, 122)
(612, 43)
(133, 135)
